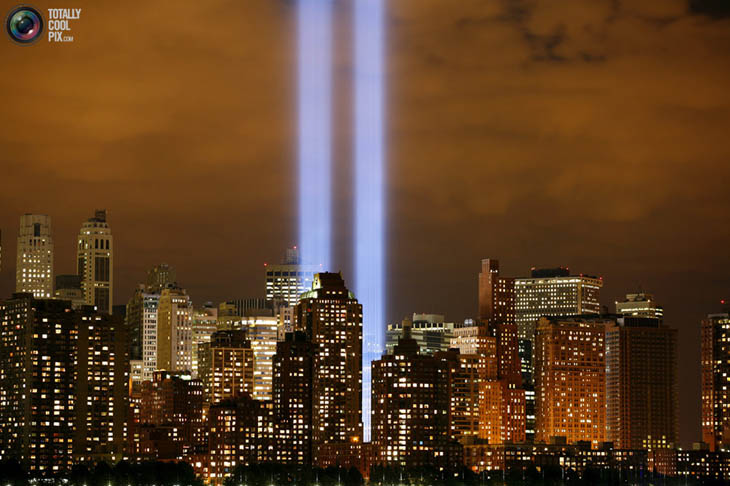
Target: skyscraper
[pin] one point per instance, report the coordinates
(640, 305)
(262, 332)
(175, 330)
(101, 404)
(205, 322)
(570, 379)
(95, 257)
(231, 371)
(141, 323)
(553, 292)
(63, 377)
(641, 391)
(292, 393)
(288, 280)
(410, 413)
(716, 380)
(37, 382)
(502, 397)
(34, 265)
(332, 319)
(548, 292)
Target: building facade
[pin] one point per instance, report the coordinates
(429, 330)
(410, 412)
(331, 317)
(570, 379)
(715, 356)
(175, 330)
(34, 264)
(641, 390)
(292, 393)
(95, 262)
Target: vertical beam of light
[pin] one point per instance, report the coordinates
(314, 32)
(369, 40)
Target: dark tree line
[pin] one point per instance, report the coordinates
(122, 473)
(277, 474)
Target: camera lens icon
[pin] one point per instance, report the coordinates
(24, 24)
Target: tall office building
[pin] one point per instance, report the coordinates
(95, 258)
(262, 331)
(159, 277)
(548, 292)
(410, 409)
(292, 394)
(429, 330)
(141, 323)
(716, 380)
(570, 379)
(288, 280)
(34, 264)
(502, 397)
(332, 319)
(640, 305)
(553, 292)
(63, 376)
(175, 330)
(641, 390)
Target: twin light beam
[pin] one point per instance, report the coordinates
(315, 147)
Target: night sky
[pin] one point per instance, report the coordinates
(589, 134)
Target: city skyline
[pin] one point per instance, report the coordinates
(592, 138)
(687, 428)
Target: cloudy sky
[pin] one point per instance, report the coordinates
(591, 134)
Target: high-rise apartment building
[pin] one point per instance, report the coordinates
(171, 408)
(141, 323)
(239, 434)
(715, 357)
(292, 394)
(641, 390)
(465, 373)
(332, 319)
(502, 397)
(101, 390)
(95, 258)
(37, 382)
(262, 331)
(429, 330)
(570, 379)
(288, 280)
(228, 370)
(640, 305)
(34, 264)
(63, 377)
(175, 330)
(410, 409)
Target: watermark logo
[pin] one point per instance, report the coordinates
(59, 23)
(24, 24)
